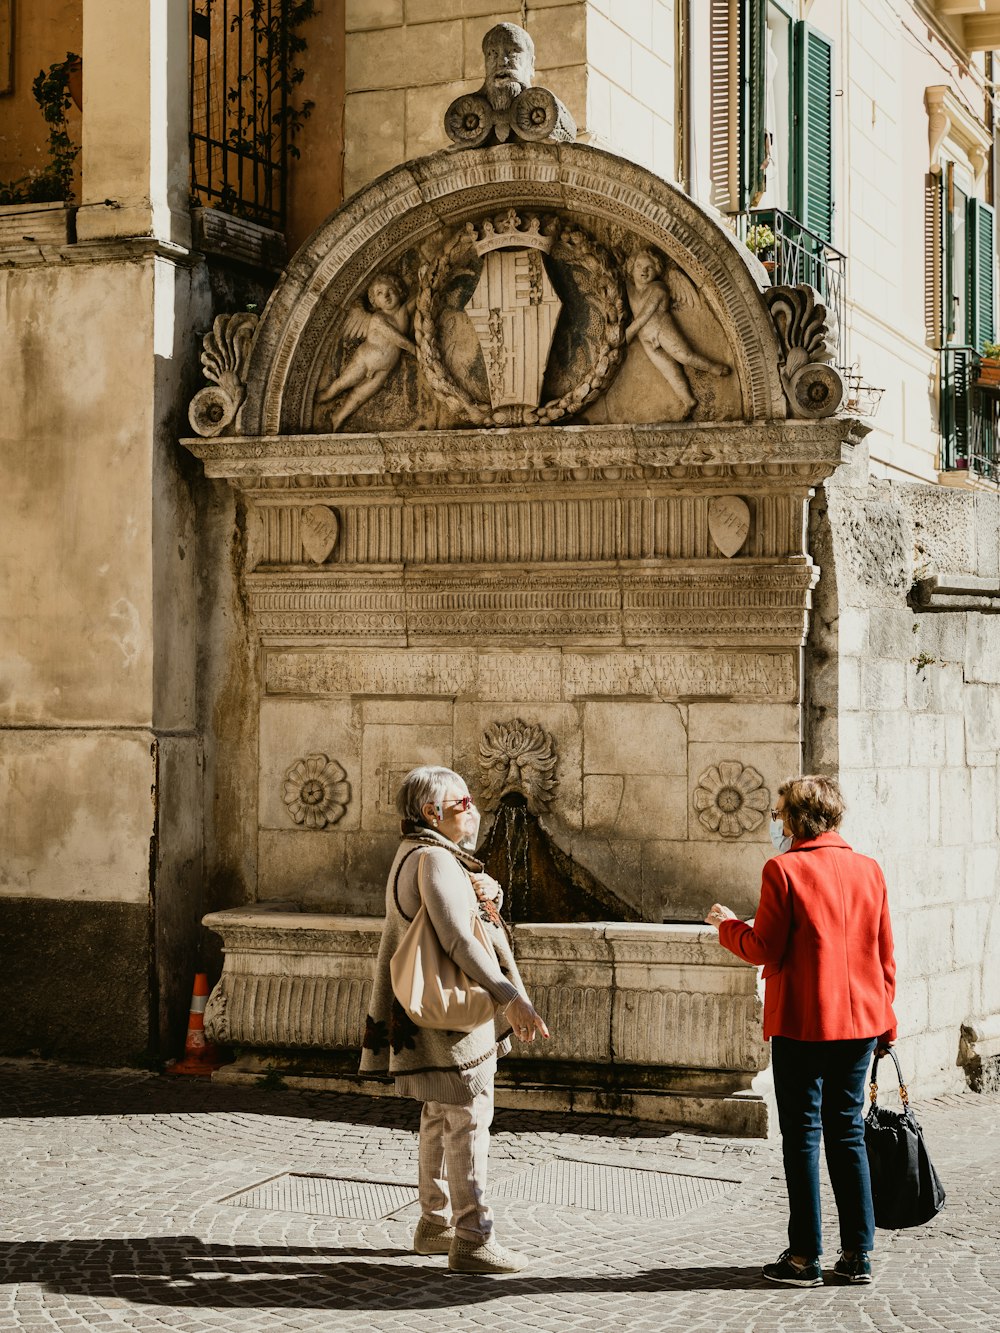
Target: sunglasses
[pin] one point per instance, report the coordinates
(462, 804)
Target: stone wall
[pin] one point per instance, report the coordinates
(612, 65)
(904, 704)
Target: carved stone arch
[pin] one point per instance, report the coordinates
(412, 205)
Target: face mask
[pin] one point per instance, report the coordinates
(780, 840)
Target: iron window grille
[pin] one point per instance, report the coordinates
(240, 72)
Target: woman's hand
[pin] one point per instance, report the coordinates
(486, 884)
(524, 1020)
(717, 914)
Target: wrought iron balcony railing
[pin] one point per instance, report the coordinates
(800, 255)
(970, 414)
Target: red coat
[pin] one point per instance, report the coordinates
(822, 932)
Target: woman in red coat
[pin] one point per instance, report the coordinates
(823, 935)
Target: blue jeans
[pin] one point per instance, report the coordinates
(820, 1088)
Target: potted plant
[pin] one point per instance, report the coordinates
(759, 240)
(989, 366)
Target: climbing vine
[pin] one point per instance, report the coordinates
(264, 118)
(55, 181)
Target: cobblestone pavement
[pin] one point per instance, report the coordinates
(111, 1219)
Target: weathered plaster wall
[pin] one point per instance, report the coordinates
(905, 706)
(101, 802)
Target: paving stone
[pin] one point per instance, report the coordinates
(112, 1217)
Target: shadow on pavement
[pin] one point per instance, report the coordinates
(38, 1089)
(183, 1271)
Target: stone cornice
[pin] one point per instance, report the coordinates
(812, 450)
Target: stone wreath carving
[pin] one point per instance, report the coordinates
(527, 296)
(316, 791)
(224, 356)
(731, 799)
(519, 757)
(813, 387)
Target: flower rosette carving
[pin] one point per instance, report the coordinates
(603, 284)
(518, 757)
(731, 799)
(316, 791)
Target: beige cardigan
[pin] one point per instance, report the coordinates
(430, 1065)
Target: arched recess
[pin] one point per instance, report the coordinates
(412, 205)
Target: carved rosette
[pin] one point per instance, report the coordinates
(568, 245)
(518, 757)
(316, 791)
(731, 799)
(813, 387)
(224, 356)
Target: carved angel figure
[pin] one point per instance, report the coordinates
(652, 297)
(381, 333)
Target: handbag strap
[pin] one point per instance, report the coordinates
(395, 883)
(904, 1096)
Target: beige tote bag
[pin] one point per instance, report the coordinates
(430, 986)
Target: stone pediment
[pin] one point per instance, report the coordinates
(513, 286)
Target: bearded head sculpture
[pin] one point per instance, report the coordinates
(509, 54)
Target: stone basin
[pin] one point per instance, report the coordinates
(652, 1021)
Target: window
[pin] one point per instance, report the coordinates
(786, 116)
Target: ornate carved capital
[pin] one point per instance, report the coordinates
(225, 351)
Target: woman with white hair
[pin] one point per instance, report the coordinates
(450, 1072)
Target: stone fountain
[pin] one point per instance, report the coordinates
(522, 446)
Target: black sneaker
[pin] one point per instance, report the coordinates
(857, 1268)
(809, 1275)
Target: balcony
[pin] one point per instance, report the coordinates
(800, 255)
(970, 415)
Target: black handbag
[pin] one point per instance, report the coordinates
(906, 1190)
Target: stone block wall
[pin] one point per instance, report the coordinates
(406, 60)
(628, 775)
(904, 704)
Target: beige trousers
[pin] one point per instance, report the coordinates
(454, 1150)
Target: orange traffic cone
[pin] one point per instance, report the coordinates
(200, 1056)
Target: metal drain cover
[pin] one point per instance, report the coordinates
(328, 1196)
(636, 1192)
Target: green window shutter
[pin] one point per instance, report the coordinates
(947, 253)
(813, 92)
(753, 65)
(981, 270)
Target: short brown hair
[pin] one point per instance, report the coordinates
(814, 804)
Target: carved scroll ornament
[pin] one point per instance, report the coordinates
(812, 386)
(224, 356)
(518, 757)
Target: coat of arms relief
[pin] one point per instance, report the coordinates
(521, 319)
